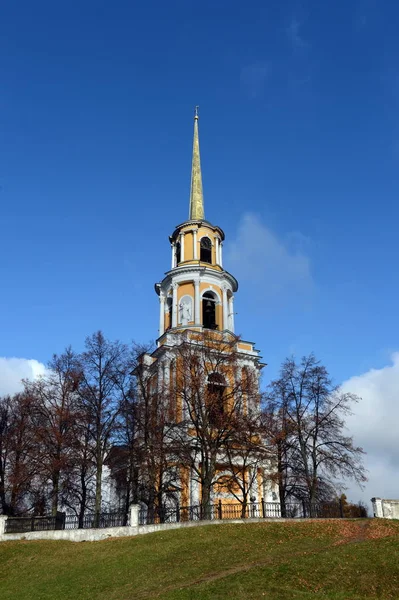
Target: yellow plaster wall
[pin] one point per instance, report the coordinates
(219, 316)
(186, 288)
(242, 346)
(188, 246)
(184, 482)
(168, 323)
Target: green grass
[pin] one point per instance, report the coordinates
(336, 560)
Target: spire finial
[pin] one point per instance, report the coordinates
(196, 195)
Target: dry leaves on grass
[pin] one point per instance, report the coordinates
(358, 531)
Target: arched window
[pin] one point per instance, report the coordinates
(178, 253)
(215, 398)
(209, 311)
(206, 250)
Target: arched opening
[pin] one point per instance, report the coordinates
(209, 311)
(215, 398)
(206, 250)
(178, 253)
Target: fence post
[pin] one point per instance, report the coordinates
(60, 520)
(134, 515)
(3, 519)
(220, 510)
(263, 507)
(177, 513)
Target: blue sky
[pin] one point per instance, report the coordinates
(299, 134)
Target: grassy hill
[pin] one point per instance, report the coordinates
(340, 560)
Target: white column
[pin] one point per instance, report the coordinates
(195, 253)
(220, 254)
(197, 311)
(134, 515)
(217, 246)
(254, 492)
(161, 314)
(167, 374)
(195, 489)
(231, 314)
(182, 246)
(377, 507)
(3, 520)
(174, 305)
(173, 255)
(225, 309)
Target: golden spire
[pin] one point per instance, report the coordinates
(196, 195)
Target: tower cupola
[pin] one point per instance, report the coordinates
(197, 292)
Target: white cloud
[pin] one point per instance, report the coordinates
(375, 426)
(13, 370)
(279, 267)
(294, 34)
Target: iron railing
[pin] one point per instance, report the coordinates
(176, 514)
(220, 511)
(25, 524)
(100, 521)
(63, 521)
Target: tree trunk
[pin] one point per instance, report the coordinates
(281, 485)
(206, 490)
(82, 507)
(56, 491)
(312, 499)
(3, 501)
(99, 472)
(244, 506)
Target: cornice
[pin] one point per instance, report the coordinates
(201, 271)
(199, 224)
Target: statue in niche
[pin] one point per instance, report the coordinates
(185, 310)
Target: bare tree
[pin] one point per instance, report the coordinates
(54, 421)
(103, 368)
(19, 457)
(155, 418)
(310, 412)
(247, 456)
(5, 450)
(279, 431)
(210, 395)
(125, 456)
(79, 494)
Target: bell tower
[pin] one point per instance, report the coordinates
(197, 293)
(196, 314)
